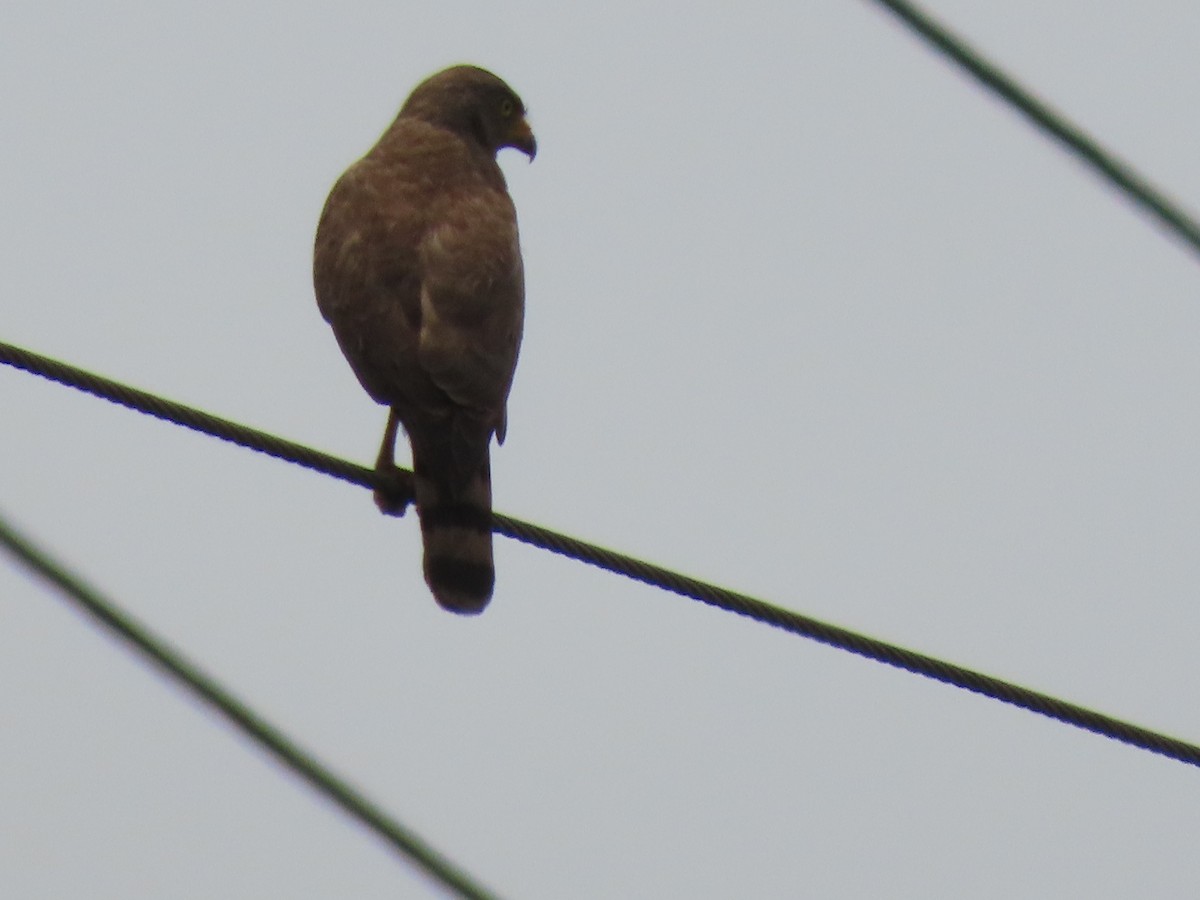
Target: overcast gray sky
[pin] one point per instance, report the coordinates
(808, 315)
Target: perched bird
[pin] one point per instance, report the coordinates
(417, 267)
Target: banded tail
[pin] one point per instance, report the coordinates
(456, 525)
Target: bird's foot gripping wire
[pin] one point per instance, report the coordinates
(393, 490)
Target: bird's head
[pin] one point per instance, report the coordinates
(476, 104)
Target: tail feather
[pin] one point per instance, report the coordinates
(456, 524)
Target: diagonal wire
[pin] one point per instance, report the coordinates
(636, 569)
(844, 639)
(278, 744)
(1077, 141)
(187, 416)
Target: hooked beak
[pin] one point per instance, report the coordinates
(520, 136)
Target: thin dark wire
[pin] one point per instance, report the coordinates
(300, 761)
(1123, 176)
(638, 570)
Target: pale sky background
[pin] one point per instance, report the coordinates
(809, 315)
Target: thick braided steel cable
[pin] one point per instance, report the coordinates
(618, 563)
(177, 667)
(844, 639)
(1077, 141)
(187, 416)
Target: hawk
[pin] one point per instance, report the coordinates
(417, 266)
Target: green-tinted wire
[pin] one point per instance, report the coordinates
(172, 663)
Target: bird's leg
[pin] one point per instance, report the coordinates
(394, 490)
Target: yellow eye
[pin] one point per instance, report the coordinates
(506, 108)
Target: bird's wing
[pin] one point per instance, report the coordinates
(365, 273)
(472, 299)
